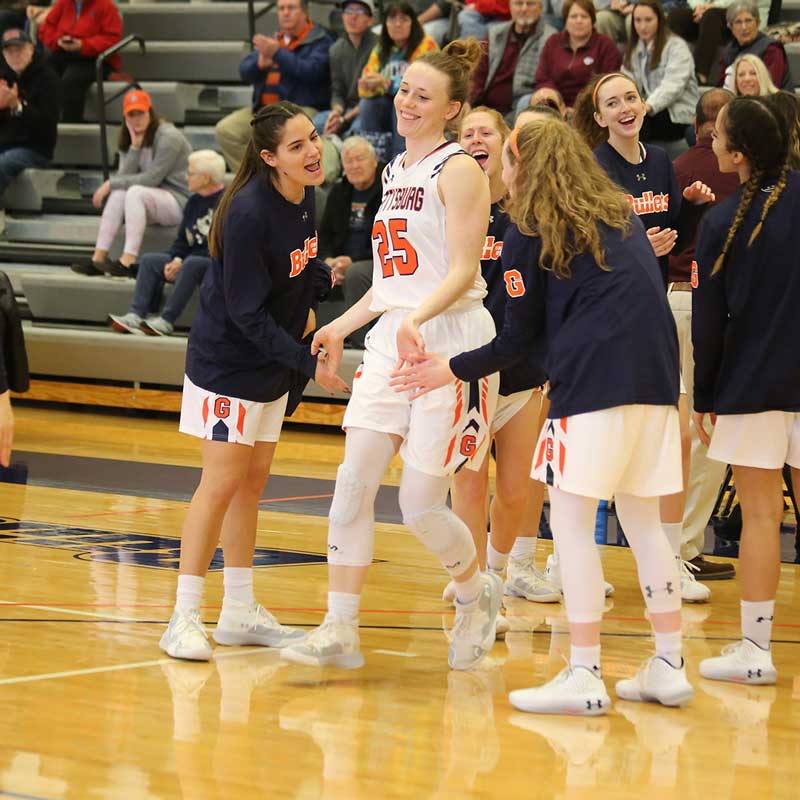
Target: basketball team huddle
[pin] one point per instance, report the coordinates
(519, 299)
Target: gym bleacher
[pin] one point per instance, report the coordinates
(189, 65)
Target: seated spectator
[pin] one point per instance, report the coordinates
(12, 15)
(348, 57)
(751, 77)
(572, 57)
(345, 233)
(479, 16)
(614, 18)
(150, 185)
(187, 260)
(75, 34)
(435, 20)
(292, 65)
(704, 25)
(661, 65)
(547, 96)
(30, 102)
(503, 79)
(401, 41)
(743, 20)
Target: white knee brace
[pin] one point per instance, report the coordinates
(444, 534)
(351, 533)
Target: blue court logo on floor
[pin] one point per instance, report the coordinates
(136, 549)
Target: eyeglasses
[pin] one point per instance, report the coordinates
(358, 11)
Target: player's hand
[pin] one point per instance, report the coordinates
(699, 418)
(329, 338)
(311, 323)
(424, 374)
(328, 379)
(6, 428)
(698, 193)
(662, 241)
(409, 342)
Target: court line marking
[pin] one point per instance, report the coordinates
(17, 796)
(75, 612)
(299, 497)
(395, 653)
(73, 673)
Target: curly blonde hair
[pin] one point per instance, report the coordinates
(561, 194)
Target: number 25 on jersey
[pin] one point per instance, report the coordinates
(397, 255)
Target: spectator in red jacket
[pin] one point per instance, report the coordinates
(76, 32)
(571, 58)
(478, 16)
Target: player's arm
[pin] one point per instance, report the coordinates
(465, 193)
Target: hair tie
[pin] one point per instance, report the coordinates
(602, 80)
(512, 142)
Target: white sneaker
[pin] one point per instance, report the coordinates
(742, 662)
(186, 637)
(449, 592)
(524, 580)
(125, 323)
(552, 574)
(335, 643)
(691, 590)
(473, 633)
(657, 681)
(241, 624)
(575, 690)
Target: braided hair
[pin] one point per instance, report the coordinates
(754, 129)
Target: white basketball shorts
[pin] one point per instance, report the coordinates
(767, 440)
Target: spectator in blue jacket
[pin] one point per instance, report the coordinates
(292, 65)
(187, 260)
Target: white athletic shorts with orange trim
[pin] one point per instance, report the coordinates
(632, 449)
(223, 418)
(767, 440)
(441, 430)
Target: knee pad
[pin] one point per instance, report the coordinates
(351, 534)
(444, 534)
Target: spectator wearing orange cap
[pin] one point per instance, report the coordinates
(150, 185)
(76, 32)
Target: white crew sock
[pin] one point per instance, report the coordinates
(588, 657)
(238, 583)
(524, 546)
(495, 560)
(468, 590)
(669, 646)
(190, 592)
(344, 606)
(757, 621)
(673, 530)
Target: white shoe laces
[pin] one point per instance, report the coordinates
(687, 569)
(189, 622)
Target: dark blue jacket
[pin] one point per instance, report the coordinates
(610, 336)
(245, 341)
(305, 72)
(746, 318)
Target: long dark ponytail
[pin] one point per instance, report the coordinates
(267, 124)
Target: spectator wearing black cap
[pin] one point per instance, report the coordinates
(30, 103)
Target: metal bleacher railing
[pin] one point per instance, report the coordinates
(103, 101)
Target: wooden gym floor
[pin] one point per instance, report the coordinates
(89, 708)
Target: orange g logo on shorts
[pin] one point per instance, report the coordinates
(222, 408)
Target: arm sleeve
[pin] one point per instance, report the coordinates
(48, 30)
(249, 71)
(709, 317)
(247, 283)
(107, 33)
(323, 281)
(180, 247)
(306, 64)
(170, 144)
(543, 70)
(339, 83)
(677, 75)
(523, 320)
(775, 62)
(327, 233)
(42, 109)
(373, 65)
(492, 8)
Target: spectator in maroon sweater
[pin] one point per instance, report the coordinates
(76, 32)
(571, 58)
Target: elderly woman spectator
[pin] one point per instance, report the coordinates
(503, 78)
(401, 41)
(345, 233)
(744, 19)
(76, 33)
(150, 185)
(187, 260)
(572, 57)
(661, 65)
(30, 101)
(750, 77)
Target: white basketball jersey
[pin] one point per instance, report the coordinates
(409, 244)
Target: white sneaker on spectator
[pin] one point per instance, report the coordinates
(524, 580)
(577, 691)
(157, 326)
(742, 662)
(335, 643)
(657, 681)
(125, 323)
(186, 637)
(552, 574)
(243, 624)
(475, 627)
(691, 590)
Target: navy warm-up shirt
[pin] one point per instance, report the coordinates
(496, 259)
(610, 336)
(650, 186)
(746, 318)
(254, 303)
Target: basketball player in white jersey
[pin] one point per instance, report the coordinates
(427, 288)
